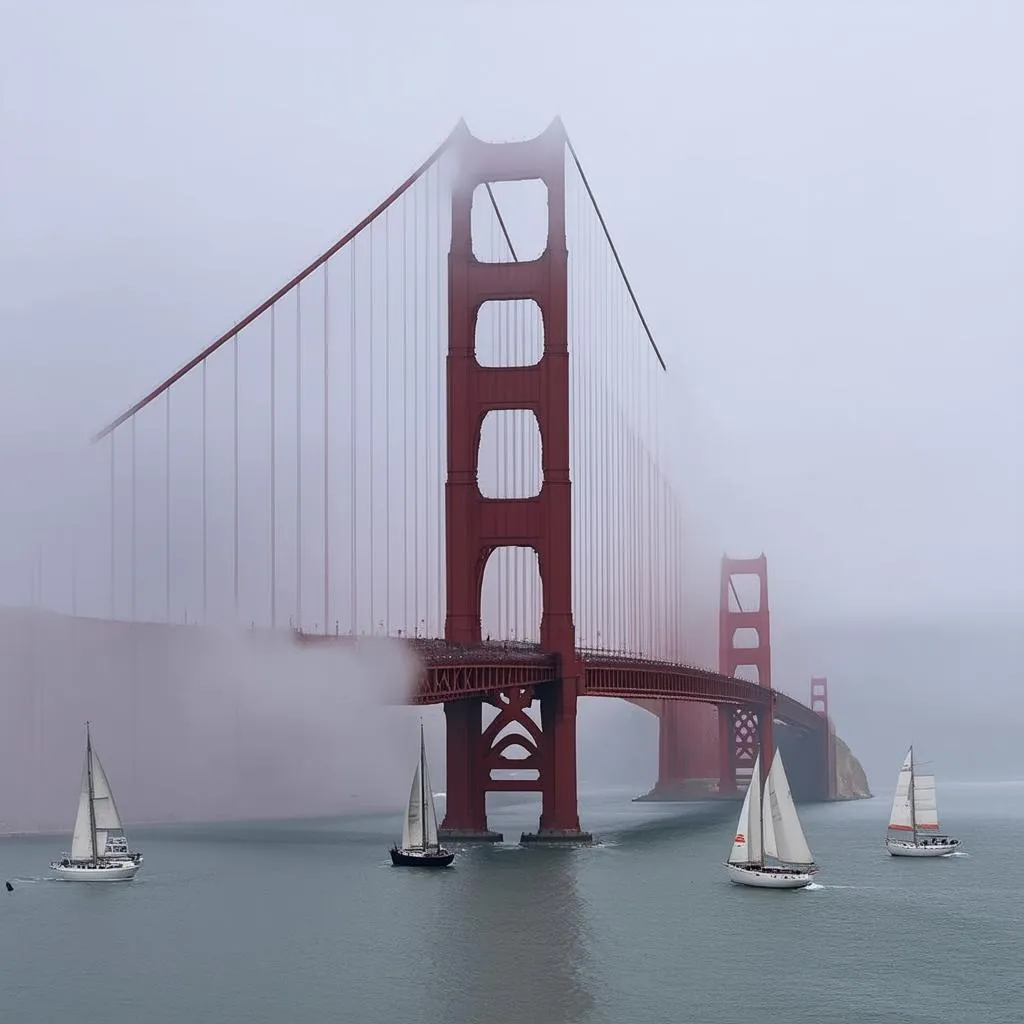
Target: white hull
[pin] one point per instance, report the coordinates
(113, 871)
(767, 879)
(941, 847)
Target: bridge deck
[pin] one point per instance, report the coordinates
(451, 671)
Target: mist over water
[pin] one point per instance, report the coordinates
(196, 724)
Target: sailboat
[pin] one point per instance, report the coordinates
(420, 847)
(99, 848)
(914, 810)
(769, 830)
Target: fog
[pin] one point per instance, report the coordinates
(820, 209)
(202, 724)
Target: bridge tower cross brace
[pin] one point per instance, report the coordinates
(476, 526)
(743, 732)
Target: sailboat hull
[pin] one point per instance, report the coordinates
(439, 858)
(767, 878)
(937, 846)
(111, 871)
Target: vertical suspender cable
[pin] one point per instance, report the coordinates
(113, 563)
(326, 485)
(502, 326)
(167, 507)
(203, 462)
(422, 257)
(416, 409)
(234, 559)
(74, 573)
(298, 456)
(405, 416)
(353, 450)
(442, 412)
(273, 468)
(387, 421)
(371, 353)
(134, 523)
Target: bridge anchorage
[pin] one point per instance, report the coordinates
(593, 607)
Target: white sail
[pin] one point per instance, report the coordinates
(81, 841)
(783, 836)
(926, 808)
(110, 840)
(412, 830)
(103, 798)
(430, 820)
(901, 817)
(746, 847)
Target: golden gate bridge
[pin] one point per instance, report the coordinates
(452, 428)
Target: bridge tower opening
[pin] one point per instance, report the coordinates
(477, 525)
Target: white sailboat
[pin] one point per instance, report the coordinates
(99, 848)
(770, 851)
(915, 810)
(420, 846)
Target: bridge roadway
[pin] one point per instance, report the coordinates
(452, 671)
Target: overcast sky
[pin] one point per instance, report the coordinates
(820, 206)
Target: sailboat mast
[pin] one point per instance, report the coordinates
(913, 810)
(423, 791)
(92, 805)
(760, 817)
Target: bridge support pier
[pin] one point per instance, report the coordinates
(465, 817)
(559, 818)
(726, 751)
(687, 751)
(474, 753)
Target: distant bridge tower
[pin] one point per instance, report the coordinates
(742, 733)
(819, 704)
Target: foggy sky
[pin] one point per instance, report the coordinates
(820, 207)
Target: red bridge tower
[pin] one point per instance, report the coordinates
(476, 526)
(742, 732)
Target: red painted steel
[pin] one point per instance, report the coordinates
(819, 695)
(819, 705)
(476, 526)
(753, 730)
(456, 133)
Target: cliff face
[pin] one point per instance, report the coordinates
(851, 779)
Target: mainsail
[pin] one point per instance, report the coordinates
(412, 829)
(783, 837)
(901, 817)
(81, 842)
(98, 830)
(926, 809)
(746, 847)
(109, 832)
(419, 832)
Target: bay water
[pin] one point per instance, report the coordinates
(307, 921)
